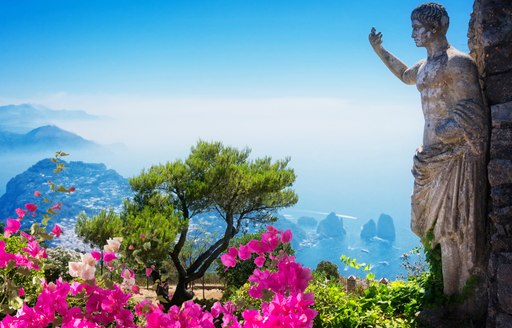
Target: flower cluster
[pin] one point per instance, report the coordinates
(290, 305)
(281, 286)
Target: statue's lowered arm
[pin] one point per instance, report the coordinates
(395, 65)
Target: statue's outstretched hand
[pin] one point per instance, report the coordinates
(375, 38)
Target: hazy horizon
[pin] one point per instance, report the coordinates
(286, 79)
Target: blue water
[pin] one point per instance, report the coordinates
(384, 256)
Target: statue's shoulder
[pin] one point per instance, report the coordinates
(459, 58)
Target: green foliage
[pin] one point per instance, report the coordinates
(148, 235)
(96, 230)
(213, 178)
(243, 300)
(236, 277)
(13, 278)
(328, 269)
(414, 264)
(378, 306)
(432, 281)
(359, 266)
(57, 263)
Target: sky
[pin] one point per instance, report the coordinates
(286, 78)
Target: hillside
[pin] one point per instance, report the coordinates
(96, 188)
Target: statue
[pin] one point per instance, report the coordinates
(450, 180)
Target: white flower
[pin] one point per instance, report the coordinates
(112, 245)
(84, 269)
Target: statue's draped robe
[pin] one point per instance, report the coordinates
(448, 202)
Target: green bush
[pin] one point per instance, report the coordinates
(377, 306)
(329, 269)
(12, 279)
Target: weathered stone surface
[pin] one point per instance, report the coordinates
(490, 42)
(501, 113)
(504, 283)
(502, 215)
(501, 151)
(503, 321)
(501, 195)
(497, 88)
(500, 172)
(501, 142)
(500, 244)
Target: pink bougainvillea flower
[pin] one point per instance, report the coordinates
(12, 227)
(34, 250)
(96, 255)
(259, 261)
(244, 252)
(57, 206)
(37, 193)
(27, 236)
(148, 272)
(131, 248)
(286, 236)
(109, 256)
(57, 231)
(4, 256)
(31, 207)
(21, 292)
(21, 213)
(229, 259)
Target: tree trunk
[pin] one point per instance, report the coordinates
(181, 294)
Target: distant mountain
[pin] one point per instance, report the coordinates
(25, 117)
(48, 137)
(96, 188)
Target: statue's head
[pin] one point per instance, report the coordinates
(429, 20)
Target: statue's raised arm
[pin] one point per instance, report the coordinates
(395, 65)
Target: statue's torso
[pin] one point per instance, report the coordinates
(439, 82)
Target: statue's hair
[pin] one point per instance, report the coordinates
(433, 14)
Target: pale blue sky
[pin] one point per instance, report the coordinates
(286, 78)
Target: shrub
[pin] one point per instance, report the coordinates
(16, 281)
(328, 269)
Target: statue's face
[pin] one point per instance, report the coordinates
(421, 33)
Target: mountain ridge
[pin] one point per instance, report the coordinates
(47, 137)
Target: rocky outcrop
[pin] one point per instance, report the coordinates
(386, 227)
(369, 230)
(490, 42)
(331, 227)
